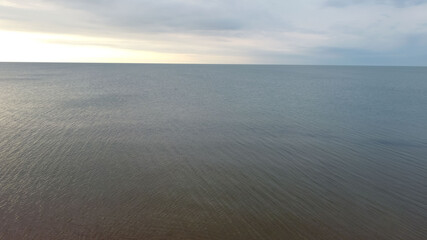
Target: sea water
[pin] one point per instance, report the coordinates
(145, 151)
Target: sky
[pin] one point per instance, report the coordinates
(325, 32)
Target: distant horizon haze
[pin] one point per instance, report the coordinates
(231, 64)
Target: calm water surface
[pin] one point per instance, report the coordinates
(104, 151)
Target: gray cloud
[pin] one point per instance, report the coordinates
(307, 31)
(179, 15)
(396, 3)
(155, 16)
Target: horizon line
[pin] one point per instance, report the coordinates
(224, 64)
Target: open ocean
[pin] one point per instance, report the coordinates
(146, 151)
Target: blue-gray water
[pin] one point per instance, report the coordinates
(105, 151)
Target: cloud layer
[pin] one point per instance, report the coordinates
(379, 32)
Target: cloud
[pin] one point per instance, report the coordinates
(177, 15)
(253, 31)
(396, 3)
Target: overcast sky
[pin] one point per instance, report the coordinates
(356, 32)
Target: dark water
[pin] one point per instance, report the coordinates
(104, 151)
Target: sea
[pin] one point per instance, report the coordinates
(163, 151)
